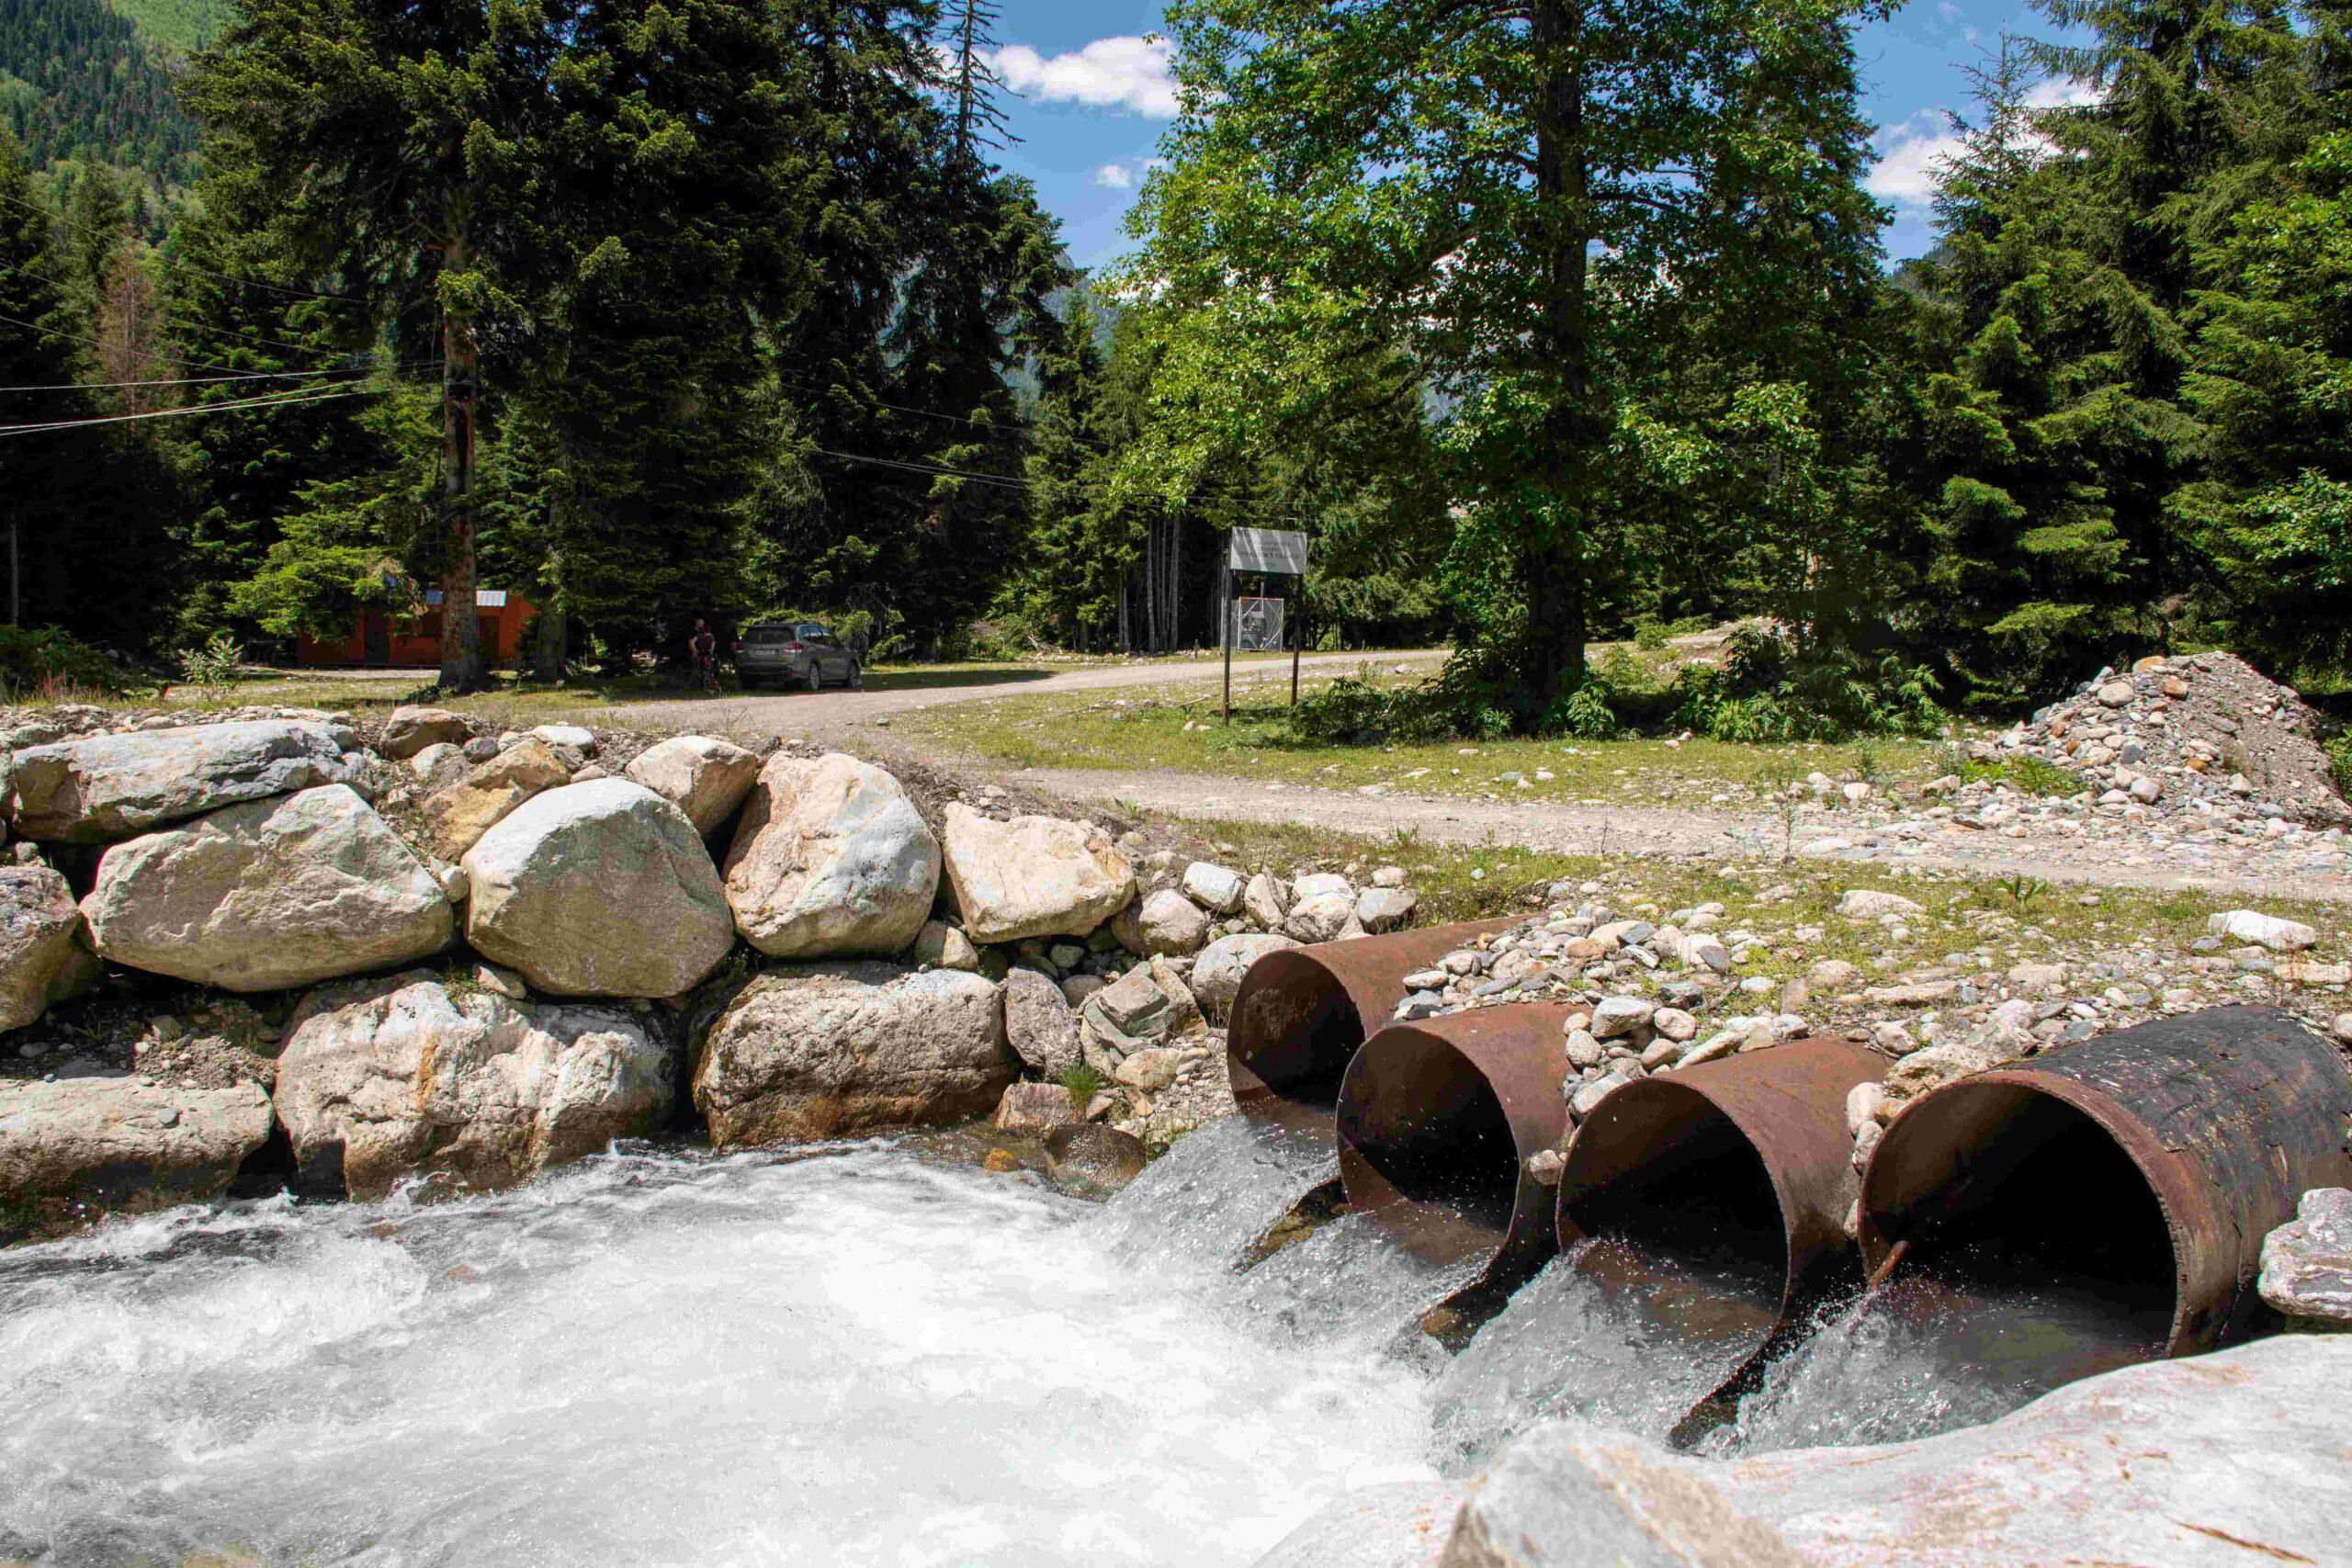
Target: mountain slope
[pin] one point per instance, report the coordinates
(75, 76)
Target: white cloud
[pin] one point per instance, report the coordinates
(1912, 153)
(1115, 176)
(1910, 157)
(2062, 92)
(1126, 73)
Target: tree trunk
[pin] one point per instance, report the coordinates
(462, 668)
(1552, 559)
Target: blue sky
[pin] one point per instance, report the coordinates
(1094, 97)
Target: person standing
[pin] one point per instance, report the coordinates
(705, 647)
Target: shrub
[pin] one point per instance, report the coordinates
(2339, 763)
(45, 660)
(1769, 688)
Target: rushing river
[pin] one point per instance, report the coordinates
(852, 1357)
(856, 1355)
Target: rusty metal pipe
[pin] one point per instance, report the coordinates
(1298, 1016)
(1750, 1151)
(1436, 1120)
(2212, 1124)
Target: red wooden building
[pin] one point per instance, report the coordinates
(381, 639)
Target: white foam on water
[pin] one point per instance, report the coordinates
(1572, 1345)
(1218, 1191)
(849, 1359)
(1916, 1359)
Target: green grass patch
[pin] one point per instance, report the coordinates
(1180, 728)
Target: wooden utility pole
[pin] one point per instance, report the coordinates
(461, 659)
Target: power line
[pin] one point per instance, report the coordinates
(198, 364)
(1009, 427)
(189, 380)
(278, 400)
(63, 222)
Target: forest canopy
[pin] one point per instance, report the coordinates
(1549, 322)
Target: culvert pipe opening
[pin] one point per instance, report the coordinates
(1299, 1015)
(2097, 1205)
(1703, 1215)
(1436, 1122)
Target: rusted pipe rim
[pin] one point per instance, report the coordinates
(1780, 1113)
(1442, 1115)
(2227, 1115)
(1299, 1015)
(1787, 1105)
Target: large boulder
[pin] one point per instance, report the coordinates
(2307, 1262)
(702, 777)
(1160, 922)
(1216, 973)
(394, 1078)
(270, 894)
(412, 729)
(43, 952)
(842, 1049)
(77, 1149)
(1032, 877)
(831, 859)
(462, 812)
(1040, 1024)
(103, 788)
(598, 889)
(2223, 1460)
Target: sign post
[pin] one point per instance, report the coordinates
(1270, 552)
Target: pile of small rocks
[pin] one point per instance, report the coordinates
(1652, 996)
(2199, 728)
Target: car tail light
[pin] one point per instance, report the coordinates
(795, 647)
(741, 645)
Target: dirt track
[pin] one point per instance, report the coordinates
(848, 719)
(839, 716)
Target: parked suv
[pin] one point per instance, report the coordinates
(770, 653)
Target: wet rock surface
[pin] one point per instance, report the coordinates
(385, 1080)
(836, 1050)
(74, 1149)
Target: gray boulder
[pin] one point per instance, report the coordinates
(395, 1078)
(104, 788)
(2220, 1459)
(412, 729)
(44, 954)
(598, 889)
(842, 1049)
(77, 1149)
(1161, 922)
(1087, 1159)
(1040, 1024)
(1032, 877)
(1386, 909)
(1319, 917)
(2307, 1262)
(1034, 1108)
(1216, 973)
(267, 895)
(705, 777)
(461, 812)
(1397, 1524)
(831, 859)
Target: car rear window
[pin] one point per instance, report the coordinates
(768, 634)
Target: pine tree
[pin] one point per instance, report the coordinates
(91, 510)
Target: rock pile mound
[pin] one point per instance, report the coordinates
(2203, 727)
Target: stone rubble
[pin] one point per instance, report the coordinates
(1652, 996)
